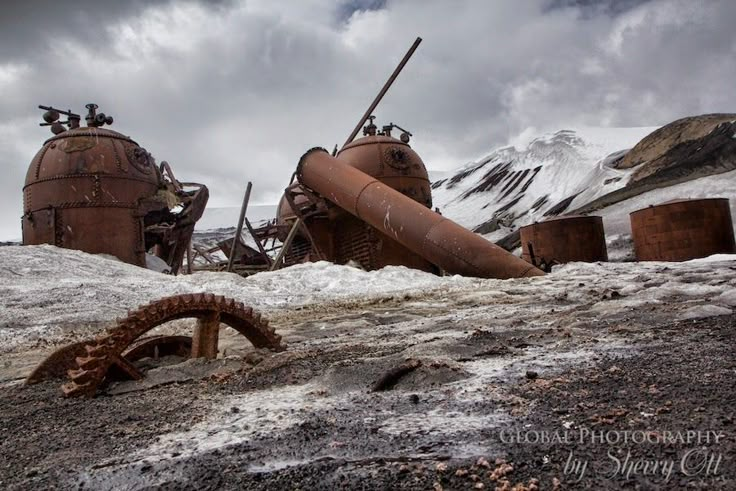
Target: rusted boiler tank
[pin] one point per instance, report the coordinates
(684, 229)
(96, 190)
(372, 203)
(341, 237)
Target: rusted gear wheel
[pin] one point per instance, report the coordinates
(58, 363)
(108, 350)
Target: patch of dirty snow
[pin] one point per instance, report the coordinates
(61, 291)
(703, 311)
(727, 298)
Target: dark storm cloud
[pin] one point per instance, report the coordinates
(238, 90)
(348, 7)
(589, 8)
(30, 26)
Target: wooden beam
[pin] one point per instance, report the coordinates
(287, 244)
(206, 336)
(236, 239)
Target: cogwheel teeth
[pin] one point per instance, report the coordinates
(90, 371)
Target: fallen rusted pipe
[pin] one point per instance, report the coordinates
(437, 239)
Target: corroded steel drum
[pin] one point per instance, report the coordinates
(564, 239)
(683, 229)
(82, 191)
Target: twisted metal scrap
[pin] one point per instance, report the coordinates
(108, 349)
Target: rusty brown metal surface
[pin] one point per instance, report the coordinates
(392, 162)
(91, 370)
(96, 190)
(82, 191)
(340, 236)
(158, 346)
(682, 230)
(58, 363)
(206, 336)
(433, 237)
(564, 239)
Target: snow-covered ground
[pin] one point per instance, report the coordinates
(58, 295)
(579, 311)
(49, 293)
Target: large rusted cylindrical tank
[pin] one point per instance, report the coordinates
(683, 229)
(343, 237)
(82, 190)
(412, 224)
(564, 239)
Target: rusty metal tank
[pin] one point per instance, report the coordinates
(681, 230)
(82, 191)
(423, 233)
(391, 161)
(564, 239)
(342, 237)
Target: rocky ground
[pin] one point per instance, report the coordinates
(677, 377)
(530, 383)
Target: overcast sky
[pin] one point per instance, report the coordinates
(231, 91)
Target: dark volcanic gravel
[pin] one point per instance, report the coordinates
(682, 379)
(687, 382)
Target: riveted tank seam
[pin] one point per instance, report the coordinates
(58, 229)
(40, 159)
(357, 197)
(88, 174)
(107, 134)
(118, 162)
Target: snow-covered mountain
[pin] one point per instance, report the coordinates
(590, 171)
(512, 187)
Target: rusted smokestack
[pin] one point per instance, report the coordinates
(437, 239)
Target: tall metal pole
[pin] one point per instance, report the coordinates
(236, 239)
(383, 91)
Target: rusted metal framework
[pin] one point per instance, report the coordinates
(681, 230)
(96, 190)
(403, 220)
(562, 240)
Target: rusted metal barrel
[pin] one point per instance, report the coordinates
(683, 229)
(437, 239)
(563, 240)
